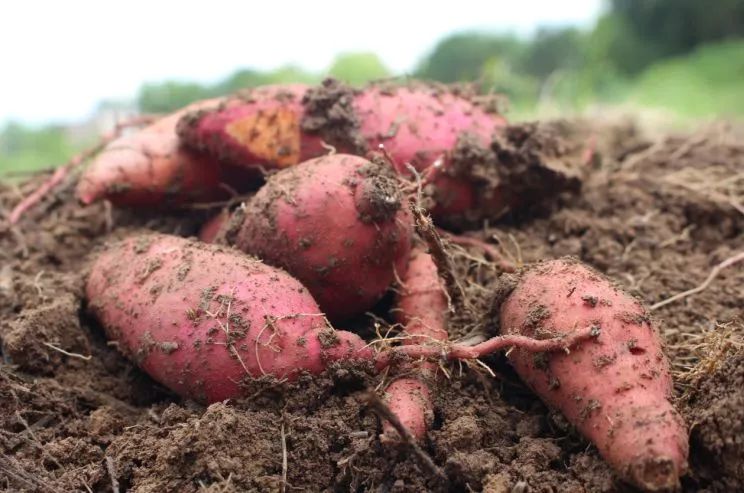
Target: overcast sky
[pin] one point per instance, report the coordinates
(59, 58)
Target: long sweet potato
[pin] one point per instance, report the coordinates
(616, 390)
(425, 126)
(336, 223)
(202, 319)
(421, 307)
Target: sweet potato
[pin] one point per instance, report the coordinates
(616, 390)
(277, 126)
(418, 124)
(336, 223)
(210, 230)
(202, 319)
(422, 310)
(149, 167)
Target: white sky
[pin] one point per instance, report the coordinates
(59, 58)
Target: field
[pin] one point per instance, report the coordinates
(657, 215)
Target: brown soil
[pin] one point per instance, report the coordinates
(76, 416)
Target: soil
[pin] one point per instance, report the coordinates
(657, 216)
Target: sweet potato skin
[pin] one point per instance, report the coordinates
(422, 310)
(420, 124)
(336, 223)
(150, 167)
(615, 389)
(201, 319)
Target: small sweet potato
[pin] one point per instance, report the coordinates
(149, 167)
(336, 223)
(616, 389)
(421, 307)
(203, 319)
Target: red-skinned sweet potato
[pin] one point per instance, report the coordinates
(150, 167)
(421, 307)
(201, 319)
(336, 223)
(210, 230)
(418, 124)
(615, 389)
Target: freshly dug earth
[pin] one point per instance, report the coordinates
(655, 216)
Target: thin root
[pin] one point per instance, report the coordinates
(713, 274)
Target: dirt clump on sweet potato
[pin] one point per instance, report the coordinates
(329, 113)
(637, 220)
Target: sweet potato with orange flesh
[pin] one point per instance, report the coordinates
(616, 390)
(259, 127)
(337, 224)
(421, 307)
(419, 124)
(201, 319)
(278, 126)
(149, 167)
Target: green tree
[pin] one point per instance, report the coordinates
(358, 68)
(643, 31)
(553, 49)
(26, 149)
(169, 96)
(463, 56)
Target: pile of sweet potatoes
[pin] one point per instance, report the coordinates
(331, 231)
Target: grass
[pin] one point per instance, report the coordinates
(706, 83)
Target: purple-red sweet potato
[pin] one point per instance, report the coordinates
(418, 124)
(421, 307)
(616, 389)
(150, 167)
(336, 223)
(202, 319)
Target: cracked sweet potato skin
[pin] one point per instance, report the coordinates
(616, 389)
(259, 127)
(203, 319)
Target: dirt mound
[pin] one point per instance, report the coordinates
(656, 216)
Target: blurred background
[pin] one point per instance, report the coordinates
(70, 70)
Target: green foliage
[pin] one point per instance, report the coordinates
(643, 31)
(358, 68)
(27, 149)
(463, 56)
(551, 50)
(166, 96)
(169, 96)
(708, 82)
